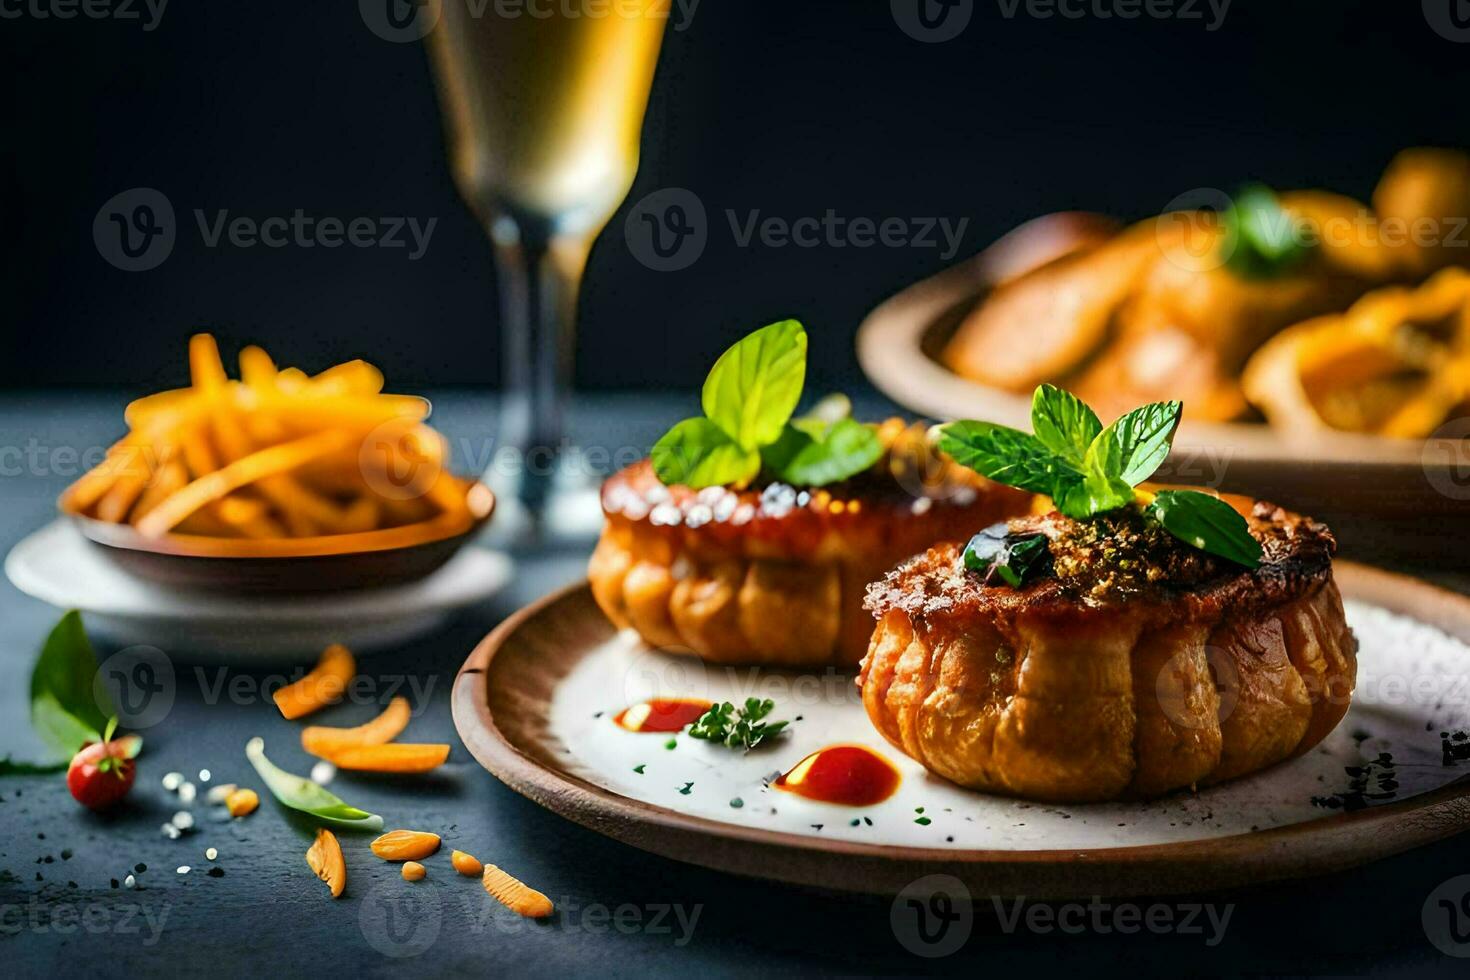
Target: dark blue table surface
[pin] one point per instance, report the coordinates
(623, 912)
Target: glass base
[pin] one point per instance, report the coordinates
(560, 509)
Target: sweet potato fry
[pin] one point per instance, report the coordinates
(391, 757)
(325, 858)
(322, 686)
(515, 894)
(323, 741)
(241, 473)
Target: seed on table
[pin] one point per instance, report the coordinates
(186, 793)
(183, 869)
(172, 780)
(130, 882)
(184, 820)
(211, 853)
(204, 775)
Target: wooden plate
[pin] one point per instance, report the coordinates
(1391, 499)
(503, 707)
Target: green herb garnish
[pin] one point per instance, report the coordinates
(300, 793)
(1087, 470)
(1000, 554)
(1208, 523)
(738, 728)
(748, 400)
(1261, 240)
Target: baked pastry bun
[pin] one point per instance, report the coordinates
(1129, 665)
(771, 573)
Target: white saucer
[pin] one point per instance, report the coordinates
(59, 566)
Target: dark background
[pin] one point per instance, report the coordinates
(788, 107)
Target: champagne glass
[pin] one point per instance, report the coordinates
(543, 105)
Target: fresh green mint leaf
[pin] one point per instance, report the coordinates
(822, 453)
(1207, 523)
(1143, 437)
(698, 453)
(1063, 423)
(753, 388)
(1007, 456)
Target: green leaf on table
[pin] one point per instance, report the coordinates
(698, 453)
(64, 710)
(1006, 455)
(1063, 423)
(300, 793)
(822, 453)
(753, 388)
(1207, 523)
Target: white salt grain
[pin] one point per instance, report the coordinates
(130, 882)
(204, 775)
(323, 772)
(183, 869)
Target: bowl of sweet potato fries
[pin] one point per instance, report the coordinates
(277, 482)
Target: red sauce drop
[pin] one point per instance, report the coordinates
(852, 775)
(661, 714)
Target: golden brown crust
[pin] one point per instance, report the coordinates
(1036, 693)
(772, 576)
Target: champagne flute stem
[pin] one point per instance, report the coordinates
(539, 282)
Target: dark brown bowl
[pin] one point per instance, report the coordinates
(330, 563)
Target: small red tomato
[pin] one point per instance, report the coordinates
(101, 774)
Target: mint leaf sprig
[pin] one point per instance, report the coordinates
(748, 399)
(738, 728)
(1087, 469)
